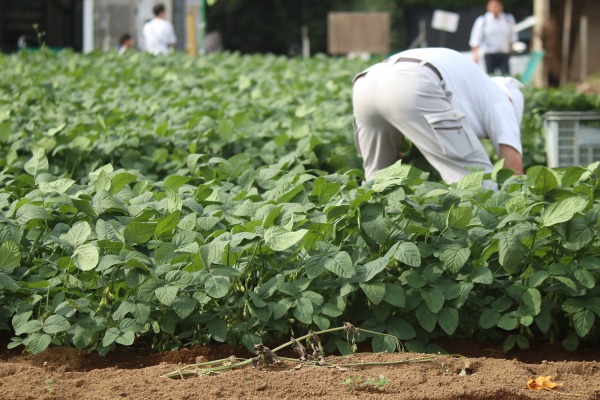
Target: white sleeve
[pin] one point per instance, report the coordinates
(503, 128)
(476, 32)
(514, 37)
(172, 37)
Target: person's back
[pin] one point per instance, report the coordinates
(159, 35)
(474, 93)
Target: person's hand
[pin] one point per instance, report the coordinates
(476, 57)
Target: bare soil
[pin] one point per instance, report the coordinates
(64, 373)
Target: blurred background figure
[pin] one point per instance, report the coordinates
(126, 42)
(159, 34)
(493, 34)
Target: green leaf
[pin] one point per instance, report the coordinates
(303, 310)
(572, 175)
(459, 217)
(168, 223)
(454, 257)
(408, 253)
(280, 239)
(471, 182)
(544, 182)
(38, 342)
(110, 336)
(400, 328)
(413, 279)
(384, 344)
(28, 212)
(585, 277)
(217, 328)
(533, 299)
(434, 299)
(489, 318)
(5, 131)
(86, 257)
(126, 338)
(29, 327)
(139, 232)
(538, 278)
(166, 294)
(78, 234)
(511, 253)
(509, 343)
(374, 227)
(508, 322)
(56, 323)
(562, 211)
(375, 291)
(120, 180)
(8, 283)
(341, 265)
(583, 322)
(183, 306)
(174, 182)
(391, 176)
(482, 275)
(10, 256)
(426, 318)
(394, 295)
(38, 162)
(331, 310)
(448, 320)
(369, 270)
(216, 286)
(59, 186)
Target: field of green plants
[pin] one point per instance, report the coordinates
(176, 200)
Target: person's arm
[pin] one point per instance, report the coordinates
(512, 158)
(475, 39)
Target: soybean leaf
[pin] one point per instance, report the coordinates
(280, 239)
(139, 232)
(375, 291)
(448, 319)
(55, 324)
(217, 328)
(10, 256)
(341, 265)
(562, 211)
(166, 294)
(408, 253)
(583, 322)
(38, 162)
(86, 257)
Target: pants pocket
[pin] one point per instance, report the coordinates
(454, 139)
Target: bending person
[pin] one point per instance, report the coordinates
(443, 103)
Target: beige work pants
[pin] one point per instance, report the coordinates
(391, 101)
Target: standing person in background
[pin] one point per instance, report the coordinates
(126, 42)
(159, 35)
(493, 33)
(443, 103)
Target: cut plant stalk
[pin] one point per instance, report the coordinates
(266, 356)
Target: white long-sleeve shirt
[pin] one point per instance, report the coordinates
(493, 35)
(488, 109)
(159, 36)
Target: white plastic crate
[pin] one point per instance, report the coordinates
(572, 138)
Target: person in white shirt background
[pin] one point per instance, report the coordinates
(493, 34)
(443, 103)
(159, 34)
